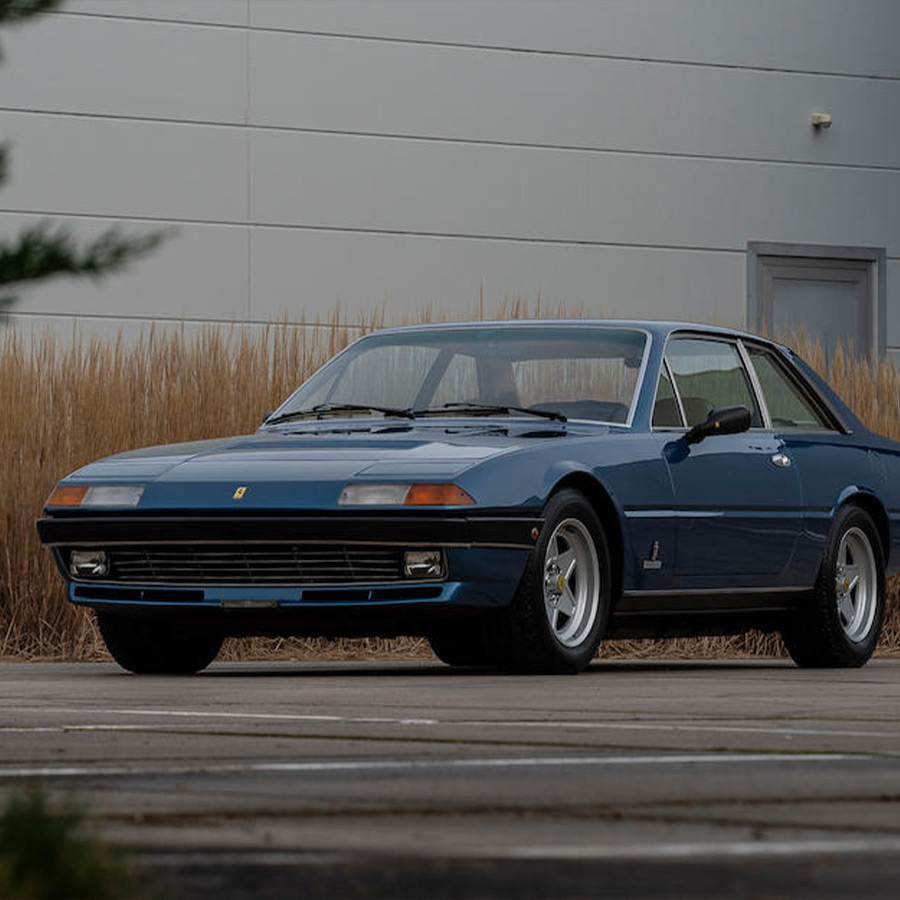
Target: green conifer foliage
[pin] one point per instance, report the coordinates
(45, 250)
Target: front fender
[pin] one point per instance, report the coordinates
(561, 470)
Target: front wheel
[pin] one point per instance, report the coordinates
(840, 624)
(151, 647)
(561, 608)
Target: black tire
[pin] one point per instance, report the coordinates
(821, 634)
(522, 635)
(461, 645)
(151, 647)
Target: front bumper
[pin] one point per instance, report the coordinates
(485, 559)
(406, 530)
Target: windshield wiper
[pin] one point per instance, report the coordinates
(321, 408)
(478, 409)
(489, 409)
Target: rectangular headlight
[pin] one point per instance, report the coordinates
(373, 495)
(113, 495)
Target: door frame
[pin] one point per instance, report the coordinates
(876, 257)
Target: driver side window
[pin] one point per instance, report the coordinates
(709, 374)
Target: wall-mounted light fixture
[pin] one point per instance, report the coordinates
(820, 120)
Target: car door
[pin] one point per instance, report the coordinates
(737, 498)
(829, 462)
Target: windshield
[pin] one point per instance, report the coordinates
(578, 371)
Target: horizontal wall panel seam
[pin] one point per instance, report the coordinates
(114, 219)
(430, 235)
(466, 142)
(325, 229)
(488, 48)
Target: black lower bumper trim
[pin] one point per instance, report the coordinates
(410, 531)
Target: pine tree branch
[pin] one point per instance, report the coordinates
(42, 251)
(12, 11)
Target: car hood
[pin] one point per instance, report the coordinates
(307, 469)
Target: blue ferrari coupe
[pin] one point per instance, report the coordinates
(514, 491)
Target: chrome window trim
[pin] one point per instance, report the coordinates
(733, 340)
(639, 384)
(755, 385)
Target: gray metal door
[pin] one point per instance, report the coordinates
(828, 299)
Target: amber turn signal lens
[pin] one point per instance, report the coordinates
(67, 495)
(436, 495)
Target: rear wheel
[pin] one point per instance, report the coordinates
(150, 647)
(561, 608)
(840, 625)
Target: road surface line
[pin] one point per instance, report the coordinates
(65, 729)
(654, 726)
(207, 714)
(399, 765)
(469, 723)
(740, 849)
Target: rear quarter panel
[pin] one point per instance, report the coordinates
(885, 463)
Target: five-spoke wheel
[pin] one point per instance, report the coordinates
(840, 622)
(856, 584)
(562, 605)
(571, 582)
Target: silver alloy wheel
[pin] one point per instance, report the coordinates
(856, 584)
(571, 582)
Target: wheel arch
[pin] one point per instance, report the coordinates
(585, 483)
(869, 503)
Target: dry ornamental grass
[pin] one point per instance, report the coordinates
(66, 405)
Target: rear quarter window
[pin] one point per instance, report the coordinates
(788, 407)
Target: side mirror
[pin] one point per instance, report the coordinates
(726, 420)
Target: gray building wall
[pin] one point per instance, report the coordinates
(616, 156)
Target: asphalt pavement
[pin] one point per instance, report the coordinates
(634, 779)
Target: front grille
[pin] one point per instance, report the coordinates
(255, 564)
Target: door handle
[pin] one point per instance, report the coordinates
(782, 460)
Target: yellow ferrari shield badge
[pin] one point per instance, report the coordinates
(239, 493)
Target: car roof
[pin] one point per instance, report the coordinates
(655, 327)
